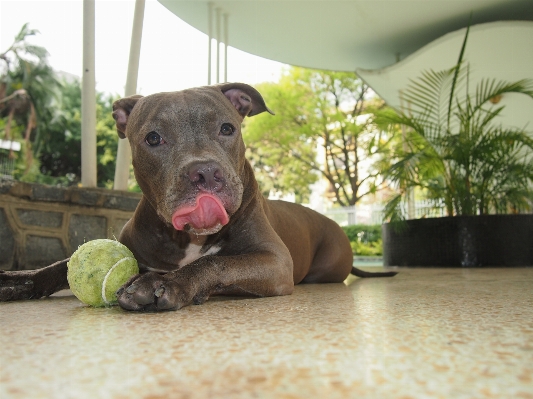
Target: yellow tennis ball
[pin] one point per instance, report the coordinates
(98, 269)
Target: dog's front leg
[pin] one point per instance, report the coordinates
(257, 274)
(33, 284)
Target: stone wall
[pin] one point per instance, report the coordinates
(41, 224)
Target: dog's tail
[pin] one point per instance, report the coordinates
(361, 273)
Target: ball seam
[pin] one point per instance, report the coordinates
(107, 275)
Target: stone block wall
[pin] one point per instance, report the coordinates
(40, 224)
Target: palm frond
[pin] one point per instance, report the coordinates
(392, 211)
(456, 73)
(24, 32)
(491, 88)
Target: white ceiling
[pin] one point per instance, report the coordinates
(387, 42)
(344, 35)
(496, 50)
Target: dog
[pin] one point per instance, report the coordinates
(202, 227)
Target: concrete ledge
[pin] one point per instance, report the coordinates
(42, 224)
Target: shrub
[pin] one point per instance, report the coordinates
(370, 249)
(363, 233)
(365, 240)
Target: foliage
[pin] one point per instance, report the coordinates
(60, 160)
(370, 249)
(324, 113)
(107, 140)
(44, 110)
(28, 94)
(363, 232)
(61, 152)
(365, 240)
(455, 152)
(275, 144)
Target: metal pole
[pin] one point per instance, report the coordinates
(210, 38)
(218, 43)
(410, 195)
(88, 98)
(225, 48)
(122, 168)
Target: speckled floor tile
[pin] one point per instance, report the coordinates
(437, 333)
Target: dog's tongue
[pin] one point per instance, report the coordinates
(207, 213)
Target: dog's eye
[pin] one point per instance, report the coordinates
(227, 129)
(153, 139)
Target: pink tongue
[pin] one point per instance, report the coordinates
(207, 213)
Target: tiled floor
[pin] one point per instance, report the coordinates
(426, 333)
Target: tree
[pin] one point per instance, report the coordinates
(325, 125)
(107, 140)
(28, 90)
(60, 159)
(275, 144)
(43, 108)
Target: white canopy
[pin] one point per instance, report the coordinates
(497, 50)
(344, 35)
(387, 42)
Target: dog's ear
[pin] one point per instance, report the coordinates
(121, 111)
(247, 100)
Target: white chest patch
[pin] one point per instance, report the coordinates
(193, 252)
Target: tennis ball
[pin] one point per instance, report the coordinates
(98, 269)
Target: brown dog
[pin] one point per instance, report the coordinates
(202, 227)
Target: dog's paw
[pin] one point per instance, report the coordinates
(152, 291)
(17, 285)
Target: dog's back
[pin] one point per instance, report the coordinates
(320, 250)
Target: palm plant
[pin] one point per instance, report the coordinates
(28, 88)
(455, 152)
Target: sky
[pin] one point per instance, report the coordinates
(173, 54)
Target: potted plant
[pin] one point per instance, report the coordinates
(455, 154)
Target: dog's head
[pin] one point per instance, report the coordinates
(188, 152)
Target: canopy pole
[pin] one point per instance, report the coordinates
(411, 209)
(122, 169)
(225, 48)
(217, 25)
(210, 38)
(88, 98)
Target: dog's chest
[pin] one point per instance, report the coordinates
(194, 251)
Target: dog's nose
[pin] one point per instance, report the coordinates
(207, 176)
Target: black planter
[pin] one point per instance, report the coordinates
(461, 241)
